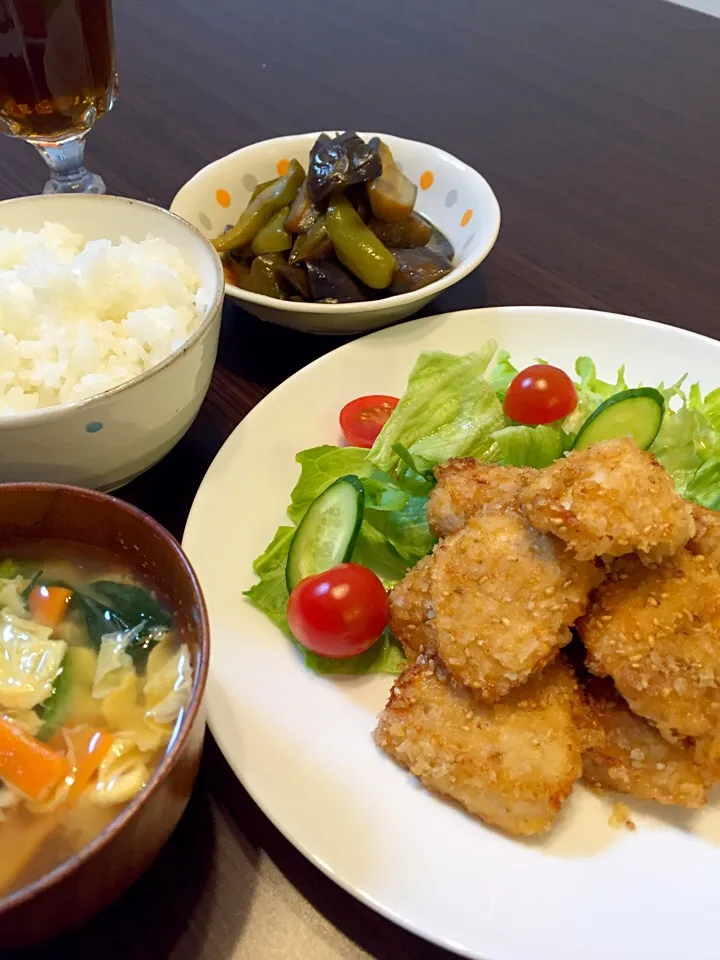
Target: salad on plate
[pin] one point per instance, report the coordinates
(357, 516)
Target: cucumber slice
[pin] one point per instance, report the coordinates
(328, 531)
(634, 413)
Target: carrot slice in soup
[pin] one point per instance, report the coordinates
(91, 747)
(27, 764)
(48, 605)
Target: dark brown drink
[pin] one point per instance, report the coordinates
(57, 66)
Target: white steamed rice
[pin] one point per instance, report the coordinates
(77, 317)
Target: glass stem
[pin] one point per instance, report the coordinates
(67, 169)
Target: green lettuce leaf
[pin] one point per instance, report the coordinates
(406, 530)
(531, 446)
(448, 410)
(591, 392)
(270, 594)
(686, 439)
(502, 374)
(710, 406)
(384, 656)
(321, 466)
(704, 487)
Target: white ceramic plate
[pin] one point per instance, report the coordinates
(302, 745)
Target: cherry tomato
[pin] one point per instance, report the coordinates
(540, 394)
(362, 420)
(340, 612)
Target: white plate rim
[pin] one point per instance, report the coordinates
(220, 735)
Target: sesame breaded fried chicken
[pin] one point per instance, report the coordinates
(411, 613)
(464, 486)
(656, 632)
(630, 756)
(504, 597)
(706, 541)
(609, 500)
(512, 765)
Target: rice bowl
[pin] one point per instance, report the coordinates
(105, 439)
(77, 317)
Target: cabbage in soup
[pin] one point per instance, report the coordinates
(93, 684)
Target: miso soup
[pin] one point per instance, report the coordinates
(94, 682)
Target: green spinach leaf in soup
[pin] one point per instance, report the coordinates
(110, 607)
(132, 604)
(99, 618)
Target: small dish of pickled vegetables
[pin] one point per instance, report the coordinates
(340, 233)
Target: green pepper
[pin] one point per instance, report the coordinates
(8, 569)
(278, 194)
(357, 247)
(264, 277)
(273, 237)
(260, 187)
(313, 245)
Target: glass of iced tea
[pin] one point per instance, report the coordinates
(57, 77)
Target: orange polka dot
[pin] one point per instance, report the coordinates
(466, 218)
(427, 179)
(222, 197)
(283, 166)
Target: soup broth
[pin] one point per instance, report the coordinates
(94, 682)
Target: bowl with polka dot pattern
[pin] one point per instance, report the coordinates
(105, 440)
(451, 194)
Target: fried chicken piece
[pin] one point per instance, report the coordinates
(504, 598)
(512, 765)
(656, 632)
(609, 500)
(630, 756)
(706, 541)
(411, 613)
(464, 486)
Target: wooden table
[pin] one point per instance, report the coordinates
(597, 124)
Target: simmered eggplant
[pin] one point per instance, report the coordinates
(303, 212)
(298, 280)
(439, 243)
(338, 164)
(357, 195)
(413, 231)
(392, 196)
(357, 247)
(417, 268)
(329, 282)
